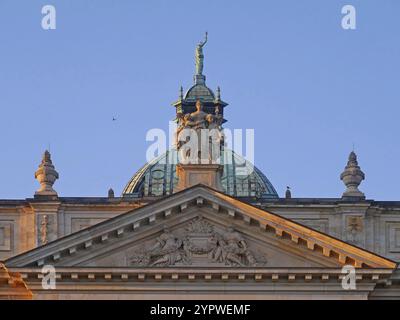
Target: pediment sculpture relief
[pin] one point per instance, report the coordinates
(198, 244)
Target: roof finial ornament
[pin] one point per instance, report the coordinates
(218, 97)
(199, 78)
(352, 177)
(288, 193)
(46, 175)
(181, 93)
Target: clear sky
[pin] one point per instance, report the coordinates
(309, 88)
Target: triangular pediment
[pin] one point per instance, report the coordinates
(200, 239)
(199, 227)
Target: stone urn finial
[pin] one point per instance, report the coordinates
(46, 175)
(352, 177)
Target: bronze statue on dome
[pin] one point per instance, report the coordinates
(200, 56)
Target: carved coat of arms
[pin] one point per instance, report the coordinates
(199, 243)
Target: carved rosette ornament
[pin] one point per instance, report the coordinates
(46, 175)
(199, 245)
(354, 229)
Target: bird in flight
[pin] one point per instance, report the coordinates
(114, 119)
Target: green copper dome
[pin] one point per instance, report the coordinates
(199, 92)
(240, 178)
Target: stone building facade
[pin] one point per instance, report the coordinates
(201, 230)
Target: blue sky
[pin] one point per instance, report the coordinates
(309, 88)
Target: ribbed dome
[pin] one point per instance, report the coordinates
(240, 178)
(199, 91)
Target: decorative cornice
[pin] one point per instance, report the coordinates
(174, 280)
(222, 205)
